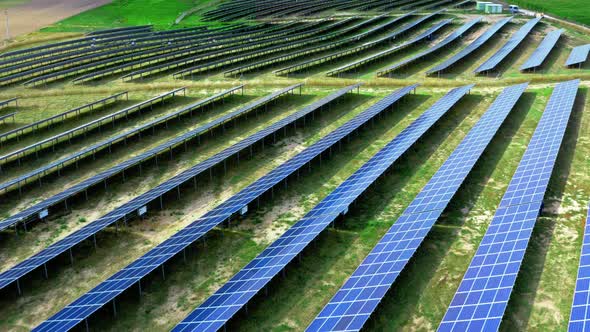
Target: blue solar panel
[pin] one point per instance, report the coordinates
(237, 292)
(578, 56)
(426, 34)
(507, 48)
(298, 41)
(354, 303)
(449, 39)
(480, 301)
(580, 314)
(133, 273)
(541, 53)
(471, 47)
(362, 47)
(131, 207)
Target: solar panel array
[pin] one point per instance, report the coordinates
(278, 43)
(305, 42)
(58, 117)
(580, 312)
(426, 34)
(42, 69)
(482, 297)
(449, 39)
(133, 273)
(140, 158)
(360, 295)
(360, 48)
(316, 49)
(223, 45)
(508, 47)
(476, 44)
(113, 30)
(131, 207)
(71, 133)
(578, 55)
(236, 293)
(541, 52)
(161, 50)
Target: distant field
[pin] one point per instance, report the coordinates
(575, 10)
(160, 13)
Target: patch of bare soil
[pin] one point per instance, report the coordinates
(36, 14)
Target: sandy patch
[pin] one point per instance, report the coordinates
(36, 14)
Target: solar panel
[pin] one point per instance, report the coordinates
(236, 45)
(508, 47)
(426, 34)
(480, 301)
(133, 273)
(580, 315)
(131, 207)
(5, 103)
(135, 160)
(34, 148)
(449, 39)
(578, 56)
(111, 30)
(239, 290)
(58, 117)
(266, 45)
(356, 300)
(161, 52)
(477, 43)
(281, 58)
(283, 47)
(7, 116)
(541, 53)
(354, 50)
(33, 211)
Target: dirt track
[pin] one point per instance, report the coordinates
(36, 14)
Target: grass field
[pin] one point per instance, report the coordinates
(160, 13)
(574, 10)
(543, 293)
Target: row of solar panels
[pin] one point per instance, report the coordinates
(577, 57)
(312, 50)
(426, 35)
(357, 49)
(273, 49)
(148, 58)
(182, 47)
(102, 145)
(449, 39)
(67, 135)
(141, 202)
(80, 61)
(17, 133)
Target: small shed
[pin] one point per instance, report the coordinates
(481, 5)
(492, 8)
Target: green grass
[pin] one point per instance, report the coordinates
(119, 13)
(574, 10)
